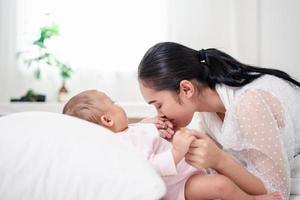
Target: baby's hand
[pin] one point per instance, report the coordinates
(164, 126)
(181, 143)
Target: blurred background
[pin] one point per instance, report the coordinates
(98, 44)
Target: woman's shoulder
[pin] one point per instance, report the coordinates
(268, 83)
(231, 96)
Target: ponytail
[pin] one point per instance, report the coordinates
(166, 64)
(227, 70)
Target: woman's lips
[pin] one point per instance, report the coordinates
(173, 123)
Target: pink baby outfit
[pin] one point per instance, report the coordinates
(158, 151)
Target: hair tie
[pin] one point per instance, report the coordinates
(202, 55)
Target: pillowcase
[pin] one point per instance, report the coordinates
(54, 156)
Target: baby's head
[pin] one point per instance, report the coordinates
(97, 107)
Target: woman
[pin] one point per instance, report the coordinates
(252, 112)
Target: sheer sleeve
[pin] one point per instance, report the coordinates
(260, 117)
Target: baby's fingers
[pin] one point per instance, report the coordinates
(165, 134)
(170, 131)
(166, 128)
(169, 124)
(160, 126)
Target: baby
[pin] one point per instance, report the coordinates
(182, 180)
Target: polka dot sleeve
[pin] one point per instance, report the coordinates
(260, 118)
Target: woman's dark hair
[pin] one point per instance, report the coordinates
(166, 64)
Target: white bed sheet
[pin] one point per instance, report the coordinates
(294, 197)
(295, 181)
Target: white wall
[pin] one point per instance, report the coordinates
(280, 35)
(7, 48)
(264, 33)
(201, 24)
(245, 32)
(229, 25)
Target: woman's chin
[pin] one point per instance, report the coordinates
(179, 126)
(176, 127)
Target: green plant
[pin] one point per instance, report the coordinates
(45, 57)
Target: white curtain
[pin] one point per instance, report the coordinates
(7, 47)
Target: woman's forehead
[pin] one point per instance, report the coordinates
(152, 96)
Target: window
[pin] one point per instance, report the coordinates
(105, 35)
(102, 40)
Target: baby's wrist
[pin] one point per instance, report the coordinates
(177, 155)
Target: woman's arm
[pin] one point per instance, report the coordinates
(231, 168)
(205, 153)
(260, 118)
(264, 132)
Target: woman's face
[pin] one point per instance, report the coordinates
(176, 107)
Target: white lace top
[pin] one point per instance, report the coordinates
(261, 128)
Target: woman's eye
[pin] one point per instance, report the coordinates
(157, 106)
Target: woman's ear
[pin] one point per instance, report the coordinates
(187, 88)
(107, 121)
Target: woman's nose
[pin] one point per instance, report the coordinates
(160, 113)
(163, 117)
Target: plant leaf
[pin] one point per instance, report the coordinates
(37, 73)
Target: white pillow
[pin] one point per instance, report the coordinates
(49, 156)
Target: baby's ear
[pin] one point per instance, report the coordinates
(107, 121)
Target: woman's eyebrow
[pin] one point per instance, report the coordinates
(151, 102)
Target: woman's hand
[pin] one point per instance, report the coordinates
(204, 152)
(164, 126)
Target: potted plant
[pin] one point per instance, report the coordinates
(45, 58)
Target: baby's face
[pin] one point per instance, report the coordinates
(116, 112)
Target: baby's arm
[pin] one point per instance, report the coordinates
(181, 143)
(165, 156)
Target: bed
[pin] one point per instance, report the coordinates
(295, 174)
